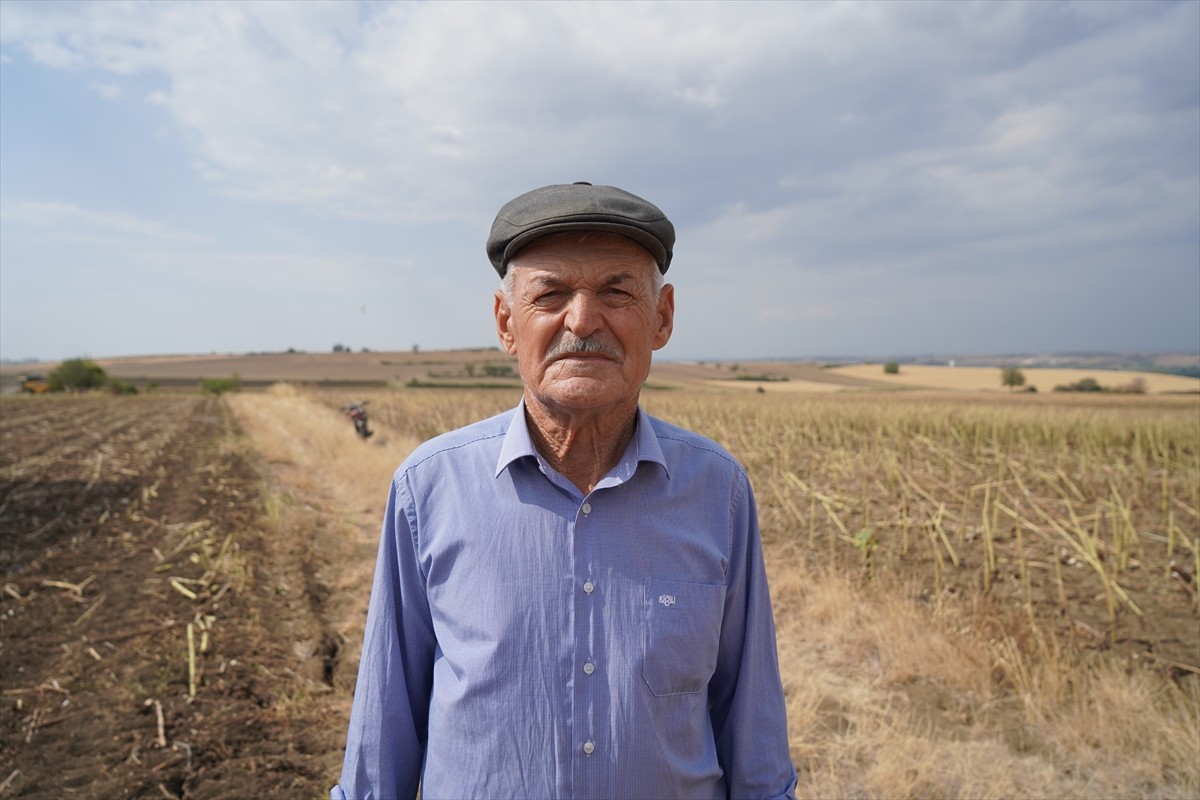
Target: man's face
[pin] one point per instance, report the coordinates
(584, 319)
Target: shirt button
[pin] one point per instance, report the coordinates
(587, 508)
(588, 747)
(588, 587)
(589, 668)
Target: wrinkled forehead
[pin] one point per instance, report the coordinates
(587, 253)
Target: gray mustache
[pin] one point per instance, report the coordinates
(569, 343)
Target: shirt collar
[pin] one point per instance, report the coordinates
(643, 446)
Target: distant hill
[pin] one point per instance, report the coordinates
(493, 367)
(1187, 364)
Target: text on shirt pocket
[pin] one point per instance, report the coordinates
(682, 633)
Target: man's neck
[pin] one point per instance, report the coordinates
(582, 445)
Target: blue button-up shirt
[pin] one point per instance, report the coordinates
(525, 640)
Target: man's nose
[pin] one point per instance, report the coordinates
(583, 314)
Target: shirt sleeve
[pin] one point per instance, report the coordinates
(746, 701)
(385, 746)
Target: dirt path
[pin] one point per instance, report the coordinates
(137, 530)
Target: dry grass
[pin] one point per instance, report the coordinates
(292, 428)
(787, 387)
(322, 468)
(988, 378)
(889, 698)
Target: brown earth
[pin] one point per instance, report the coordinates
(126, 522)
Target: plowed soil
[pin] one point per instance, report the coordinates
(133, 535)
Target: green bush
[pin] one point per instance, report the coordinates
(765, 376)
(1083, 385)
(891, 368)
(76, 374)
(219, 386)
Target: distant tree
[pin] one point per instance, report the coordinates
(75, 374)
(339, 348)
(470, 368)
(1012, 377)
(891, 368)
(1081, 385)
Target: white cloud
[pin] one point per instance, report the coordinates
(109, 91)
(72, 223)
(834, 148)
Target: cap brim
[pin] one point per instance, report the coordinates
(651, 244)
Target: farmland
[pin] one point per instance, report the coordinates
(492, 367)
(976, 594)
(156, 640)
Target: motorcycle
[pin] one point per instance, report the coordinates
(358, 413)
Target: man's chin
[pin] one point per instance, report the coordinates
(582, 392)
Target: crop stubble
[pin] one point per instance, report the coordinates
(154, 640)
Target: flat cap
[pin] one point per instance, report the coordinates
(579, 207)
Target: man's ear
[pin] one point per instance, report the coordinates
(504, 324)
(666, 316)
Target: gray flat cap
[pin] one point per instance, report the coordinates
(579, 207)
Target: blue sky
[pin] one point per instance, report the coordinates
(846, 179)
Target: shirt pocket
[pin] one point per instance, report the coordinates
(682, 633)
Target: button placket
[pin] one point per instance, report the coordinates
(585, 687)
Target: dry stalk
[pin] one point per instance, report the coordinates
(989, 543)
(1089, 556)
(937, 526)
(91, 610)
(162, 732)
(74, 588)
(1024, 567)
(825, 501)
(191, 652)
(12, 776)
(178, 586)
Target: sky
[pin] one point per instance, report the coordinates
(845, 179)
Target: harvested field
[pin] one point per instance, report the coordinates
(919, 376)
(976, 595)
(159, 638)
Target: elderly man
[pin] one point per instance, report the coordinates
(570, 599)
